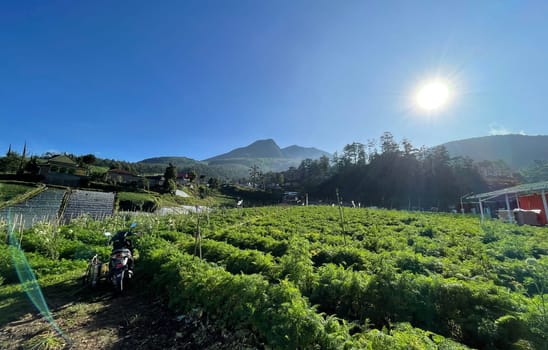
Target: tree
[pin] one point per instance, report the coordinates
(255, 175)
(371, 149)
(408, 149)
(32, 166)
(10, 163)
(191, 175)
(213, 182)
(388, 145)
(536, 172)
(23, 157)
(170, 177)
(170, 185)
(354, 154)
(89, 159)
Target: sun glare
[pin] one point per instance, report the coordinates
(432, 95)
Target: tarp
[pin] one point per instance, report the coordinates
(532, 202)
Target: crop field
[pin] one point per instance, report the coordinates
(9, 191)
(309, 277)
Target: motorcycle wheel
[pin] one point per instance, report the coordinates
(119, 283)
(90, 278)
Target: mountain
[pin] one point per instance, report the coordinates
(266, 154)
(258, 149)
(518, 151)
(158, 165)
(298, 152)
(178, 161)
(269, 149)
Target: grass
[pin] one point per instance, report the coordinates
(11, 190)
(46, 341)
(14, 303)
(94, 169)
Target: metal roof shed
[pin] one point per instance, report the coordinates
(536, 187)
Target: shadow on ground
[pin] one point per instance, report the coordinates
(97, 319)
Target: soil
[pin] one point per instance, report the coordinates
(96, 319)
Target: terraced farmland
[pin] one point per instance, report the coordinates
(97, 205)
(44, 207)
(53, 203)
(294, 279)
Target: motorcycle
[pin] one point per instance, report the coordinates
(120, 268)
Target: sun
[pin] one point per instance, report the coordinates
(432, 95)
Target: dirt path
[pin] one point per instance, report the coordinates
(98, 320)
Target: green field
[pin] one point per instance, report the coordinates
(290, 275)
(11, 190)
(151, 201)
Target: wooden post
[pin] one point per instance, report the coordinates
(510, 214)
(544, 204)
(341, 216)
(198, 237)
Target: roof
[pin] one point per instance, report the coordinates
(62, 159)
(520, 189)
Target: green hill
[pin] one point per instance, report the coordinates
(518, 151)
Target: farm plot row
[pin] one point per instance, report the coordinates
(53, 204)
(42, 207)
(277, 311)
(392, 280)
(420, 243)
(480, 285)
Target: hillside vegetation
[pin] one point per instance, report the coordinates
(299, 277)
(10, 191)
(518, 151)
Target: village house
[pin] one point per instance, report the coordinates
(183, 179)
(61, 170)
(121, 176)
(155, 180)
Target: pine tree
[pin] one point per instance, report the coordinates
(23, 156)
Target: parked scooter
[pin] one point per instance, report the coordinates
(120, 268)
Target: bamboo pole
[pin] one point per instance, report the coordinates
(341, 216)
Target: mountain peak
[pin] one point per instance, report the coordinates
(264, 143)
(259, 149)
(268, 148)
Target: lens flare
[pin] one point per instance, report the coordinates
(28, 279)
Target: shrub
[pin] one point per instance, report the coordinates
(7, 269)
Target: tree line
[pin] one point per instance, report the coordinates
(389, 174)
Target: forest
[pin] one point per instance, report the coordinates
(395, 175)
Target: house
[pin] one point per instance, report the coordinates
(121, 176)
(61, 164)
(291, 198)
(183, 178)
(61, 170)
(155, 180)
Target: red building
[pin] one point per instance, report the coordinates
(532, 202)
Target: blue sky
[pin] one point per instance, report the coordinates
(136, 79)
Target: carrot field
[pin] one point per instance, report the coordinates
(315, 277)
